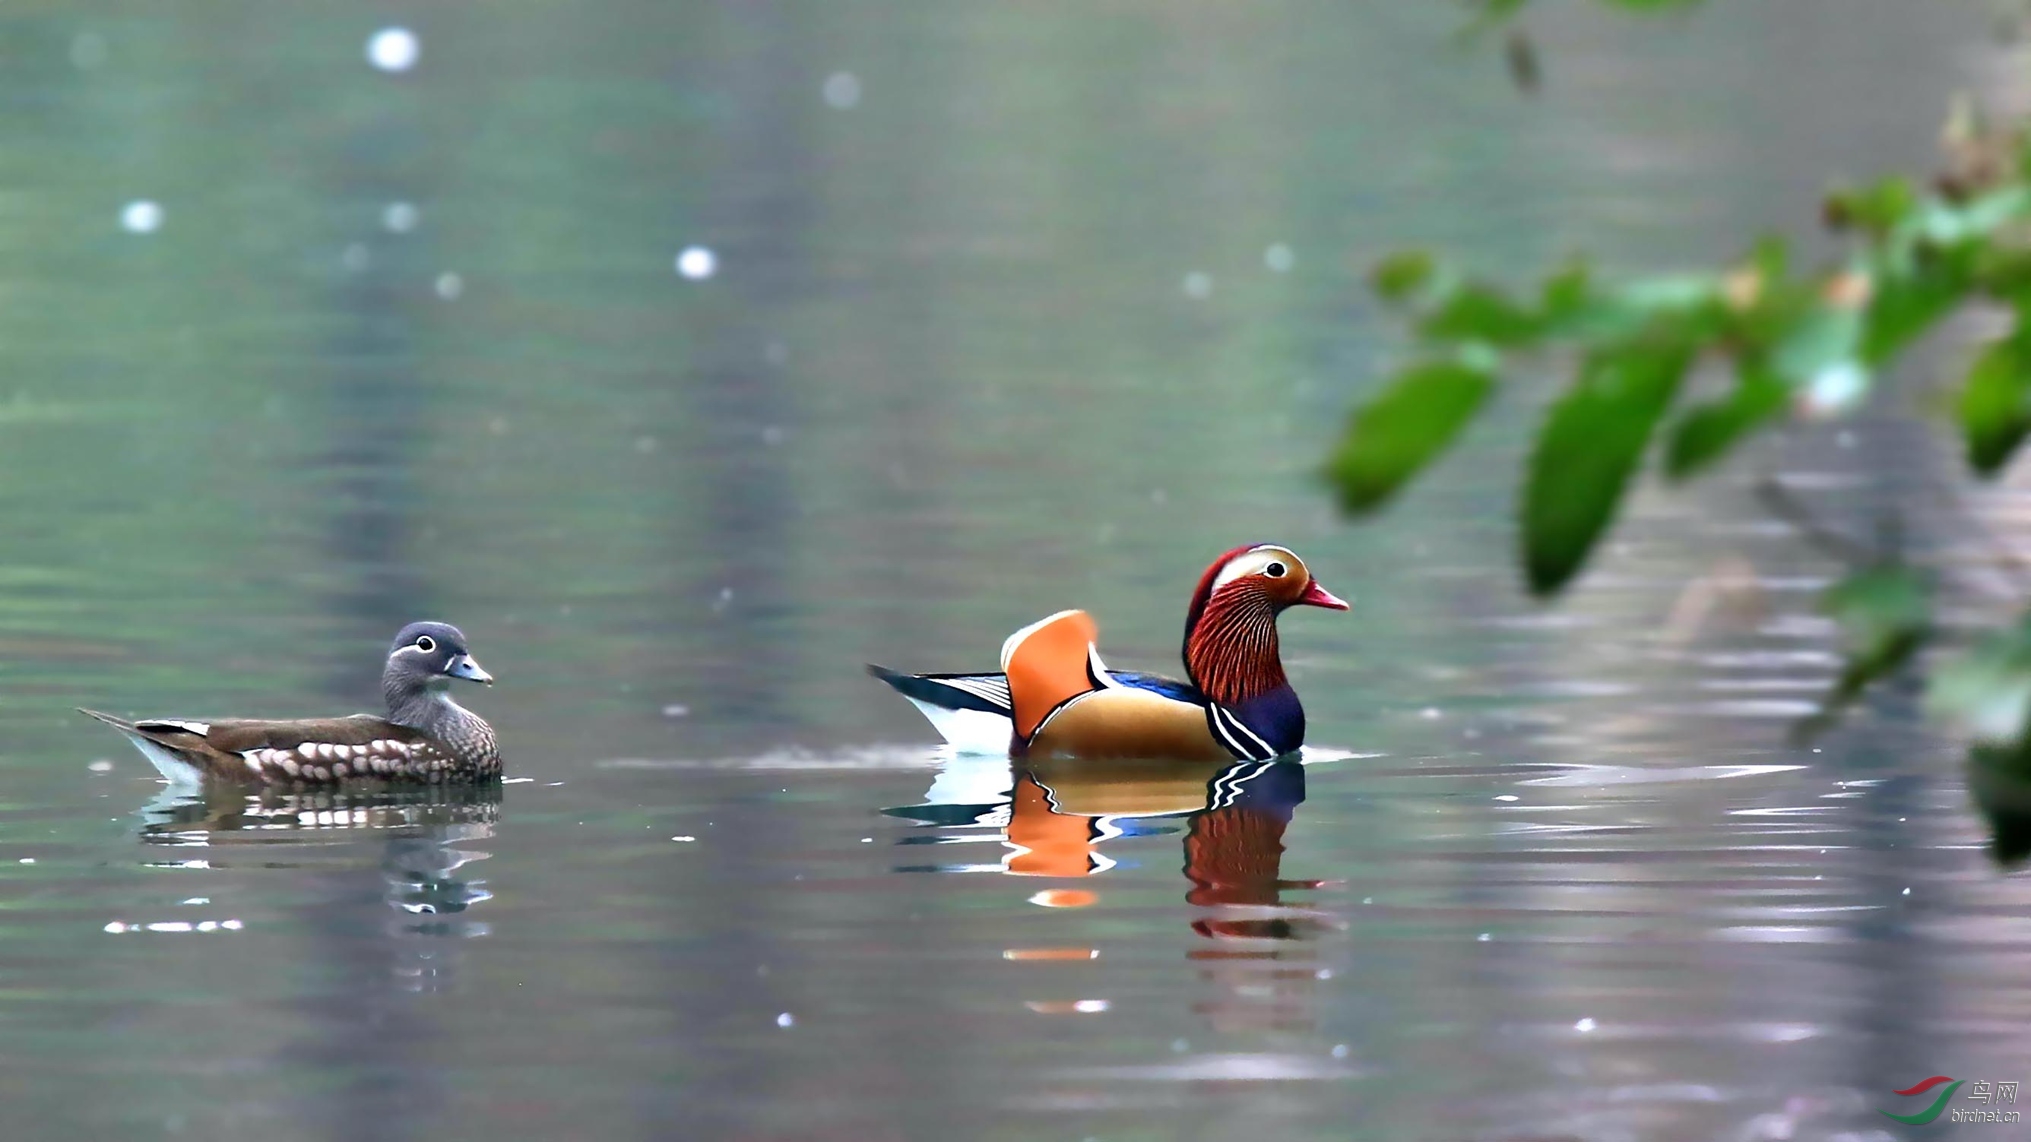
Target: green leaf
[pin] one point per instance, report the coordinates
(1995, 405)
(1874, 603)
(1885, 616)
(1492, 12)
(2000, 779)
(1931, 264)
(1877, 609)
(1591, 442)
(2002, 270)
(1574, 309)
(1568, 291)
(1708, 430)
(1402, 275)
(1479, 313)
(1877, 208)
(1400, 431)
(1769, 259)
(1666, 293)
(1824, 337)
(1988, 689)
(1906, 303)
(1946, 223)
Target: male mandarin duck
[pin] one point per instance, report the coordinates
(425, 737)
(1055, 697)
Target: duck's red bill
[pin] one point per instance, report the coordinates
(1317, 596)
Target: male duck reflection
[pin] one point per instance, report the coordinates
(426, 737)
(1055, 697)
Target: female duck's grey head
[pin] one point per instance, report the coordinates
(424, 658)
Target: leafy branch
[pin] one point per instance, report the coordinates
(1769, 343)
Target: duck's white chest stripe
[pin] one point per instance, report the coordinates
(1237, 737)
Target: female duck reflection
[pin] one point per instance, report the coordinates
(421, 864)
(1054, 817)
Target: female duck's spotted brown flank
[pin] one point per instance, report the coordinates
(1055, 696)
(425, 737)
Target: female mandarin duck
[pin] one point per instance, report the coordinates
(426, 737)
(1055, 697)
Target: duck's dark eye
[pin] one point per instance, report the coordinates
(426, 644)
(1275, 570)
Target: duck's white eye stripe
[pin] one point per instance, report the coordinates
(1256, 562)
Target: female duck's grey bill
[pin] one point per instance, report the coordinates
(465, 667)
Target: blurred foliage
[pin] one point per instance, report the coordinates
(1999, 777)
(1885, 615)
(1487, 12)
(1696, 363)
(1519, 51)
(1988, 689)
(1401, 430)
(1764, 343)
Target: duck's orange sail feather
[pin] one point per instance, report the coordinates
(1048, 663)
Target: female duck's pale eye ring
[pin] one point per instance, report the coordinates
(1275, 570)
(426, 644)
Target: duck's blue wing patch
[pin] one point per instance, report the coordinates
(1170, 688)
